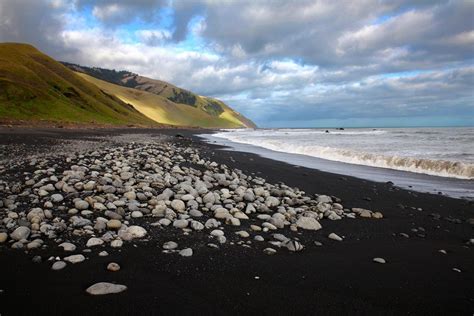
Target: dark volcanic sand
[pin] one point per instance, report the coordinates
(337, 278)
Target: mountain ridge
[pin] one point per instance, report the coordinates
(173, 93)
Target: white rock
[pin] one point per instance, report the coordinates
(272, 201)
(137, 214)
(269, 251)
(56, 198)
(334, 236)
(217, 233)
(379, 260)
(197, 225)
(242, 234)
(221, 213)
(3, 237)
(178, 205)
(308, 223)
(103, 288)
(117, 243)
(137, 231)
(92, 242)
(186, 252)
(58, 265)
(113, 267)
(293, 245)
(212, 223)
(209, 198)
(81, 205)
(20, 233)
(170, 245)
(67, 246)
(180, 223)
(75, 258)
(324, 199)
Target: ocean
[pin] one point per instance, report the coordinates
(428, 159)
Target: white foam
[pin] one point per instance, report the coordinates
(298, 143)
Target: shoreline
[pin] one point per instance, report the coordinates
(422, 182)
(336, 278)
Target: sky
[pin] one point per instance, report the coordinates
(281, 63)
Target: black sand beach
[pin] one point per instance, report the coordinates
(337, 278)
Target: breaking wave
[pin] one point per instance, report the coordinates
(443, 168)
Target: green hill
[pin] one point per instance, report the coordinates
(34, 86)
(162, 101)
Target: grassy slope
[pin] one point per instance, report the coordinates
(176, 95)
(162, 110)
(34, 86)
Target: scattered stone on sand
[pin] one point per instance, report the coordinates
(20, 233)
(442, 251)
(92, 242)
(269, 251)
(379, 260)
(75, 258)
(293, 245)
(334, 236)
(308, 223)
(103, 288)
(110, 196)
(113, 267)
(170, 245)
(67, 246)
(3, 237)
(58, 265)
(186, 252)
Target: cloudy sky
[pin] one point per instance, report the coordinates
(281, 63)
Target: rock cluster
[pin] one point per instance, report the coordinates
(129, 192)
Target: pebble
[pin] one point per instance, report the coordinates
(75, 258)
(186, 252)
(20, 233)
(178, 205)
(334, 236)
(379, 260)
(217, 233)
(92, 242)
(3, 237)
(170, 245)
(243, 234)
(81, 205)
(308, 223)
(113, 267)
(137, 231)
(103, 253)
(293, 245)
(56, 198)
(137, 214)
(180, 223)
(117, 243)
(269, 251)
(58, 265)
(443, 251)
(114, 224)
(103, 288)
(67, 246)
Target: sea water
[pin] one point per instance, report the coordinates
(425, 159)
